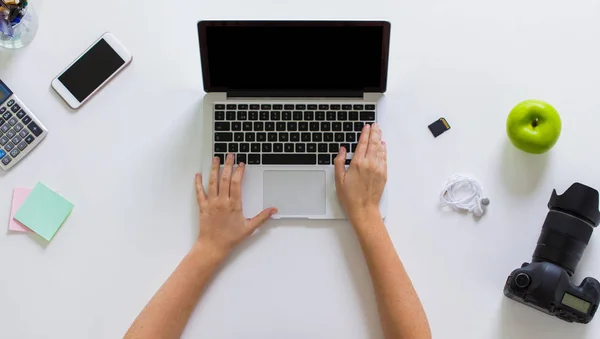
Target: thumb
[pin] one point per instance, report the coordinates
(340, 163)
(260, 218)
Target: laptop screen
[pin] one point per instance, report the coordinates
(294, 56)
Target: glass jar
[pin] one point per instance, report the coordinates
(24, 31)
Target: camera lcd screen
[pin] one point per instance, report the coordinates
(575, 303)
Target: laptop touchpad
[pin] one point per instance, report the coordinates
(295, 192)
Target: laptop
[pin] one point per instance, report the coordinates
(284, 96)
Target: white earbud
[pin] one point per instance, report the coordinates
(471, 201)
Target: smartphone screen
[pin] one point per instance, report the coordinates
(91, 70)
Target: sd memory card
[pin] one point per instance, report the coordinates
(438, 127)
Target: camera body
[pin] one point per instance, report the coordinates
(545, 284)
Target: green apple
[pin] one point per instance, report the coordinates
(533, 126)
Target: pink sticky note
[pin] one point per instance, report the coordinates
(19, 197)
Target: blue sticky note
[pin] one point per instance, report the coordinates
(44, 211)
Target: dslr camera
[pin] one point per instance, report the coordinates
(545, 283)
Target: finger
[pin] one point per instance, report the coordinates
(383, 156)
(213, 181)
(374, 142)
(226, 177)
(340, 166)
(260, 218)
(361, 148)
(236, 184)
(200, 194)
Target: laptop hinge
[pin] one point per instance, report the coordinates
(294, 94)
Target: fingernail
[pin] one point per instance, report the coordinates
(241, 164)
(274, 211)
(229, 155)
(383, 143)
(367, 126)
(216, 160)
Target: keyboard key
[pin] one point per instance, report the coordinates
(265, 106)
(220, 147)
(23, 133)
(300, 148)
(275, 115)
(6, 115)
(367, 116)
(348, 126)
(278, 147)
(231, 106)
(284, 136)
(29, 139)
(266, 147)
(242, 115)
(289, 159)
(358, 136)
(370, 107)
(15, 108)
(247, 126)
(311, 107)
(331, 115)
(297, 115)
(227, 136)
(324, 107)
(314, 126)
(26, 119)
(301, 107)
(335, 107)
(272, 137)
(230, 115)
(305, 137)
(8, 147)
(320, 115)
(353, 115)
(342, 115)
(2, 154)
(259, 126)
(354, 147)
(16, 140)
(294, 137)
(292, 126)
(339, 137)
(311, 148)
(280, 126)
(317, 137)
(336, 126)
(3, 140)
(244, 147)
(289, 148)
(359, 107)
(254, 106)
(250, 136)
(236, 126)
(261, 137)
(322, 148)
(334, 148)
(325, 126)
(222, 126)
(303, 126)
(233, 147)
(253, 115)
(350, 137)
(239, 136)
(288, 107)
(264, 115)
(346, 107)
(254, 159)
(324, 159)
(358, 126)
(11, 133)
(346, 146)
(6, 160)
(242, 106)
(219, 106)
(286, 115)
(255, 147)
(219, 115)
(328, 137)
(278, 106)
(309, 115)
(240, 158)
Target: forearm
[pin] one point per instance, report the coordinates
(400, 310)
(167, 313)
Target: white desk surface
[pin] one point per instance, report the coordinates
(128, 157)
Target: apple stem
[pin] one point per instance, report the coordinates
(535, 122)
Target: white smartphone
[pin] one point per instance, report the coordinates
(91, 70)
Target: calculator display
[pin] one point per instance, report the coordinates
(4, 92)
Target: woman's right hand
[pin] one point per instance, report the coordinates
(360, 188)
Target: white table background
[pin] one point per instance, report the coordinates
(127, 160)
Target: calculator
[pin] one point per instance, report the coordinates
(20, 130)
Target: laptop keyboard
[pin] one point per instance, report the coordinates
(288, 134)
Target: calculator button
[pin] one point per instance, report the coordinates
(6, 160)
(2, 154)
(10, 134)
(15, 108)
(6, 115)
(18, 127)
(23, 133)
(3, 140)
(2, 110)
(23, 145)
(9, 146)
(16, 140)
(2, 121)
(5, 128)
(35, 129)
(15, 152)
(26, 119)
(29, 139)
(21, 114)
(10, 102)
(13, 121)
